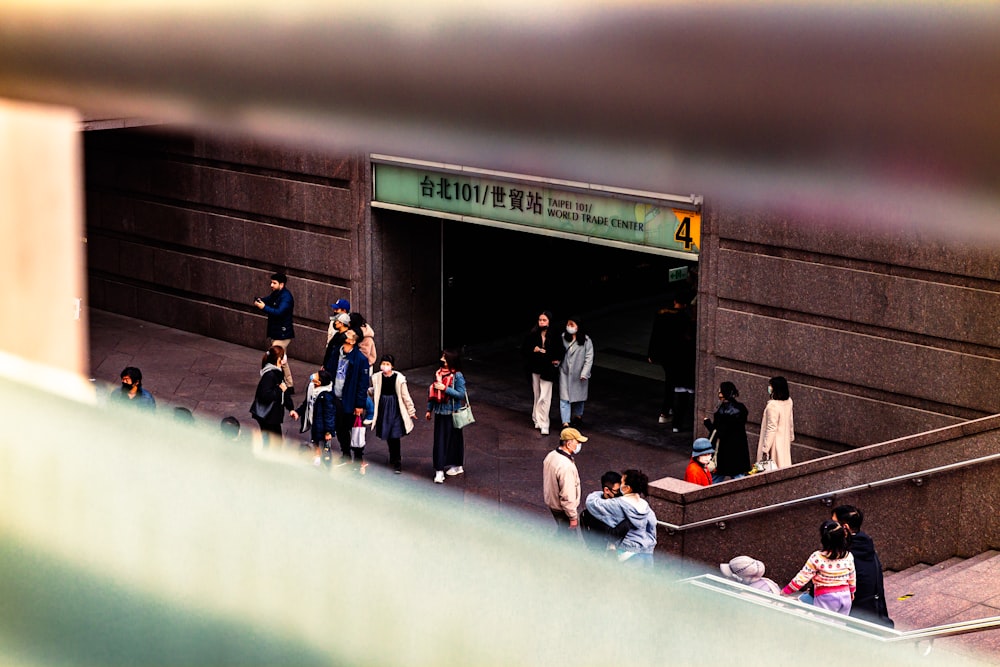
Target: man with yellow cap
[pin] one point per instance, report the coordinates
(561, 479)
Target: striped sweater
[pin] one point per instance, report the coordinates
(827, 574)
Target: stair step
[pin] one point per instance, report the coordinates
(903, 575)
(953, 573)
(937, 569)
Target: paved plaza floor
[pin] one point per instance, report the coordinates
(504, 453)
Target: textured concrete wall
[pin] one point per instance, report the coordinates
(882, 332)
(948, 514)
(185, 231)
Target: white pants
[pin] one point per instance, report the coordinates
(542, 390)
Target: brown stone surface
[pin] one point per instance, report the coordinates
(504, 454)
(903, 518)
(948, 311)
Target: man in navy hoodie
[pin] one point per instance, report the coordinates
(869, 598)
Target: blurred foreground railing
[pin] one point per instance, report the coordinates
(847, 624)
(127, 539)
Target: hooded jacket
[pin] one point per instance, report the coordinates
(869, 598)
(641, 537)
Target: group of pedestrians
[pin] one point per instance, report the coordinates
(726, 453)
(844, 574)
(349, 394)
(567, 357)
(618, 517)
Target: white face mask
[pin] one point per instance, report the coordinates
(387, 369)
(571, 331)
(769, 390)
(576, 450)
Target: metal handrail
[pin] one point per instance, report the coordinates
(826, 494)
(858, 626)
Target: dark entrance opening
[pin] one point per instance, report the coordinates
(497, 281)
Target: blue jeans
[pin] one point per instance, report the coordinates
(566, 408)
(716, 477)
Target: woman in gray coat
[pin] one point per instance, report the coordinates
(574, 373)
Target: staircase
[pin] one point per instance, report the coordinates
(954, 590)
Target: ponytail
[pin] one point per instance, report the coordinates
(835, 538)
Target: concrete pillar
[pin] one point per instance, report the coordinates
(41, 248)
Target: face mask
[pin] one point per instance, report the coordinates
(126, 387)
(769, 390)
(704, 459)
(576, 450)
(571, 331)
(618, 493)
(443, 363)
(387, 369)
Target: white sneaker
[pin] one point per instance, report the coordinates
(455, 470)
(439, 477)
(317, 461)
(662, 420)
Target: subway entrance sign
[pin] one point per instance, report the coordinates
(632, 219)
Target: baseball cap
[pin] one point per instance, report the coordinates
(571, 434)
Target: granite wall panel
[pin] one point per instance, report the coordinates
(833, 417)
(824, 234)
(892, 366)
(240, 152)
(185, 230)
(947, 311)
(280, 198)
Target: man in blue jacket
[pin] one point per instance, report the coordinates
(350, 390)
(279, 307)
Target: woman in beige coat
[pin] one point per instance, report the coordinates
(394, 409)
(777, 430)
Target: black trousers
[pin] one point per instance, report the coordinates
(683, 419)
(394, 454)
(343, 423)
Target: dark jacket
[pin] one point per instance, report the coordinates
(730, 425)
(332, 353)
(356, 380)
(869, 598)
(541, 363)
(143, 399)
(269, 406)
(323, 416)
(672, 345)
(278, 307)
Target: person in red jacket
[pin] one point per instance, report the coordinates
(701, 454)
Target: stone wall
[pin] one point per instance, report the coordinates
(881, 331)
(185, 230)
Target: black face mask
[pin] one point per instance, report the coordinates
(443, 363)
(618, 493)
(126, 388)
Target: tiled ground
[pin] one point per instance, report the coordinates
(503, 452)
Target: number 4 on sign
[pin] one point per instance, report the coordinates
(688, 230)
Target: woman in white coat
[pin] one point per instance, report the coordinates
(574, 373)
(777, 429)
(394, 409)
